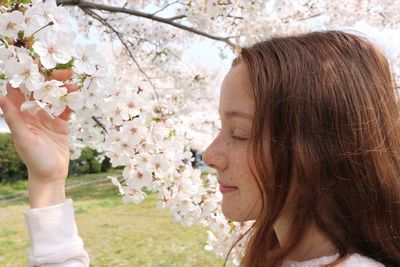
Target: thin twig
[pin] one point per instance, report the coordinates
(165, 7)
(118, 34)
(48, 24)
(90, 5)
(100, 124)
(168, 50)
(234, 17)
(287, 19)
(311, 17)
(96, 120)
(177, 17)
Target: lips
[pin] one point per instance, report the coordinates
(224, 188)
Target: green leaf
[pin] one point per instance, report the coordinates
(163, 53)
(232, 227)
(6, 3)
(21, 35)
(172, 133)
(68, 65)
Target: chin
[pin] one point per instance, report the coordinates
(233, 213)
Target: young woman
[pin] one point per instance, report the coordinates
(309, 148)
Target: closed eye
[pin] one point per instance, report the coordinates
(239, 138)
(240, 134)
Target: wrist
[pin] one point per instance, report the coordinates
(44, 194)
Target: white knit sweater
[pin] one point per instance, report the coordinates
(55, 241)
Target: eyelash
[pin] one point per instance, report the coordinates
(235, 137)
(238, 137)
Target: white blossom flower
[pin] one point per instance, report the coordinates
(34, 106)
(60, 18)
(73, 100)
(209, 206)
(43, 10)
(10, 23)
(93, 91)
(23, 72)
(86, 59)
(32, 22)
(134, 131)
(134, 196)
(137, 177)
(48, 11)
(50, 89)
(116, 111)
(160, 131)
(5, 55)
(52, 50)
(159, 164)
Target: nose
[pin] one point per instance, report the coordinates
(215, 155)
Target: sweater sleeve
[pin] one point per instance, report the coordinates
(54, 237)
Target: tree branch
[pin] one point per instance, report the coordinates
(113, 9)
(119, 35)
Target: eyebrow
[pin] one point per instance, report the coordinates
(234, 113)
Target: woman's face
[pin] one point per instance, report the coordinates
(228, 153)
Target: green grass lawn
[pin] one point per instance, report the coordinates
(115, 234)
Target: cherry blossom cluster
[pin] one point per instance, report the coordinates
(36, 38)
(152, 144)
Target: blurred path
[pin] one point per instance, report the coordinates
(69, 185)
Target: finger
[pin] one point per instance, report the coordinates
(66, 114)
(13, 118)
(15, 96)
(62, 75)
(71, 87)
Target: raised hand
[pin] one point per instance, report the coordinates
(42, 143)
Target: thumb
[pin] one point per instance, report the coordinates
(13, 118)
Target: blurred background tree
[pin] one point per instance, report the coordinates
(12, 168)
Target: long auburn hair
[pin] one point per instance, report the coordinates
(326, 125)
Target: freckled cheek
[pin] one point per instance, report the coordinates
(241, 174)
(227, 143)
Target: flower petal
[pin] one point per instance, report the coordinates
(75, 100)
(48, 62)
(62, 57)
